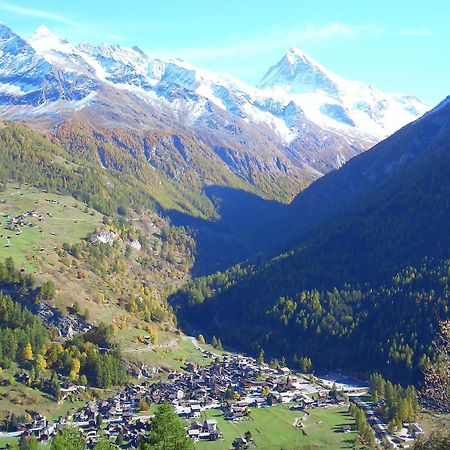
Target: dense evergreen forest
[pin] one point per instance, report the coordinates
(362, 328)
(365, 289)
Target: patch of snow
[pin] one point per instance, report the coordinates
(255, 115)
(335, 103)
(11, 89)
(77, 105)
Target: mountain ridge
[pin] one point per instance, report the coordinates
(257, 134)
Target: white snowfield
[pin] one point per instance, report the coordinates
(294, 88)
(335, 103)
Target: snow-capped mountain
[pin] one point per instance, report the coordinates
(338, 104)
(301, 122)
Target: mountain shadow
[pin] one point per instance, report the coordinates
(366, 284)
(245, 229)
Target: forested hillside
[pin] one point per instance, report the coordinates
(334, 296)
(361, 328)
(26, 156)
(117, 266)
(24, 340)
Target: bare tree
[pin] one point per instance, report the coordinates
(437, 375)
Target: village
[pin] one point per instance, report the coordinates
(15, 224)
(232, 384)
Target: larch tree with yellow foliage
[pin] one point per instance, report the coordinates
(27, 353)
(74, 369)
(41, 363)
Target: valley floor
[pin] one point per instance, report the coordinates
(275, 428)
(35, 223)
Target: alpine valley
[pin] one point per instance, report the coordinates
(303, 222)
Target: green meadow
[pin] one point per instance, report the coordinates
(62, 219)
(273, 428)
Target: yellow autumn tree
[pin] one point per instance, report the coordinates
(265, 391)
(74, 369)
(27, 353)
(41, 362)
(153, 332)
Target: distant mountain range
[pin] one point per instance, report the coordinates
(300, 122)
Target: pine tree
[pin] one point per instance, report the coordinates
(229, 393)
(391, 426)
(68, 439)
(260, 359)
(55, 386)
(167, 432)
(98, 421)
(305, 365)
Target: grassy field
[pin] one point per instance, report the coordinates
(6, 442)
(272, 428)
(62, 219)
(431, 421)
(172, 351)
(19, 398)
(59, 215)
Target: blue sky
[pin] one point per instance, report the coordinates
(396, 45)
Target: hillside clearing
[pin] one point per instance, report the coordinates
(53, 222)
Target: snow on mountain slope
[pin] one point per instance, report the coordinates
(338, 104)
(22, 71)
(301, 122)
(353, 108)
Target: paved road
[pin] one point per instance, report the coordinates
(374, 421)
(11, 434)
